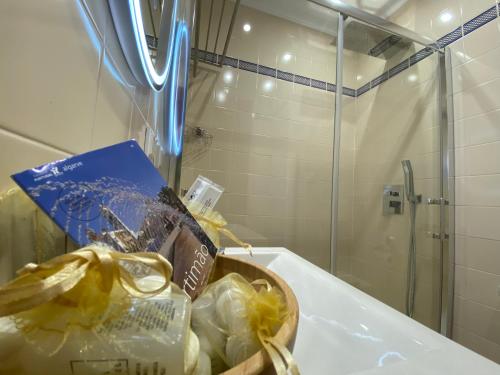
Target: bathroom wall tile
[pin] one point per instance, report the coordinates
(444, 16)
(477, 343)
(476, 130)
(457, 53)
(469, 281)
(22, 154)
(477, 100)
(482, 320)
(471, 9)
(222, 118)
(138, 127)
(219, 160)
(219, 177)
(48, 92)
(478, 190)
(303, 65)
(478, 253)
(222, 139)
(481, 159)
(482, 40)
(224, 97)
(113, 111)
(477, 71)
(477, 221)
(227, 76)
(99, 14)
(243, 162)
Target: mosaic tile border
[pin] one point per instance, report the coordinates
(487, 16)
(213, 58)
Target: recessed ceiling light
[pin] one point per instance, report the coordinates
(286, 57)
(412, 77)
(445, 17)
(359, 77)
(247, 27)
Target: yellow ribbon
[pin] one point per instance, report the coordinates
(267, 311)
(60, 280)
(213, 222)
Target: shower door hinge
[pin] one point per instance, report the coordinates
(440, 236)
(438, 201)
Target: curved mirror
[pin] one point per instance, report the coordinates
(146, 29)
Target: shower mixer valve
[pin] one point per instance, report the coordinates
(393, 200)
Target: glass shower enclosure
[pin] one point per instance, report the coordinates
(336, 145)
(392, 167)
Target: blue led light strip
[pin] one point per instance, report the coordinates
(180, 62)
(155, 79)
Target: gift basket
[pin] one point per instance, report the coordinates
(90, 312)
(147, 291)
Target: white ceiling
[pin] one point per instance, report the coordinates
(319, 18)
(302, 12)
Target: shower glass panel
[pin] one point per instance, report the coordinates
(385, 240)
(262, 124)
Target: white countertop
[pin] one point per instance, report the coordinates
(345, 331)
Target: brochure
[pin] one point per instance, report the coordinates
(115, 195)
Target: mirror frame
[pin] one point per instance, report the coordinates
(129, 26)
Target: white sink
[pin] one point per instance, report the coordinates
(345, 331)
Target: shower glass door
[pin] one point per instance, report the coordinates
(388, 235)
(261, 125)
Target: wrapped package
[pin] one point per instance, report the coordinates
(88, 313)
(234, 319)
(214, 224)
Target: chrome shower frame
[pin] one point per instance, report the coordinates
(446, 201)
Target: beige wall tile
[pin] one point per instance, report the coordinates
(478, 190)
(114, 107)
(477, 71)
(22, 154)
(471, 9)
(477, 221)
(477, 343)
(478, 286)
(478, 253)
(481, 159)
(49, 76)
(483, 128)
(482, 320)
(482, 40)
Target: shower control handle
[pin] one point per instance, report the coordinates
(439, 236)
(437, 201)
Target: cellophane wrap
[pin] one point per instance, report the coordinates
(130, 335)
(233, 320)
(27, 234)
(214, 224)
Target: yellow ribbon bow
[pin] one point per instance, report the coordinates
(39, 284)
(266, 312)
(213, 223)
(84, 289)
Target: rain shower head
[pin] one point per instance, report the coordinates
(367, 40)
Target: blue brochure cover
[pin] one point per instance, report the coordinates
(116, 196)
